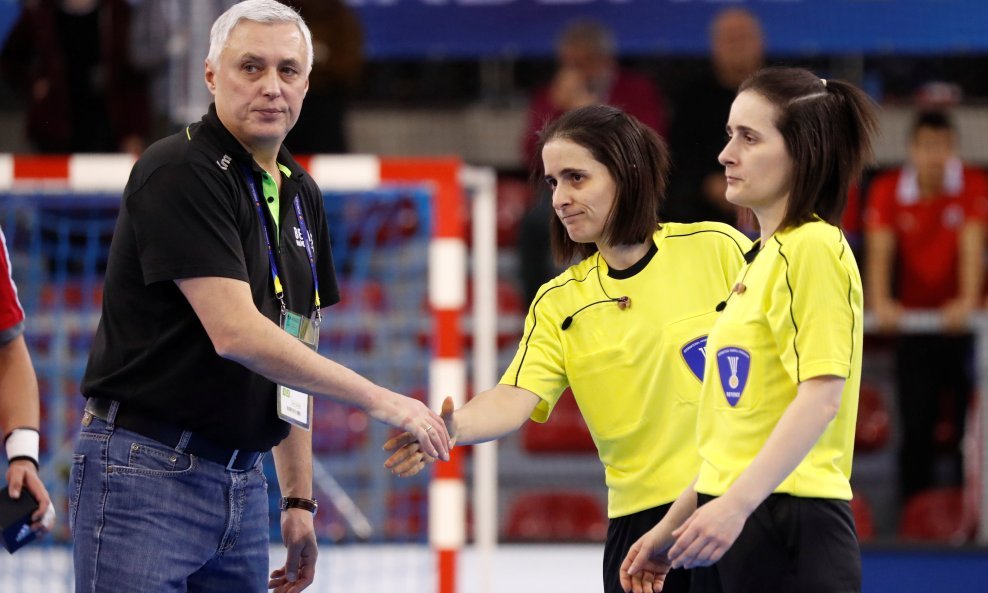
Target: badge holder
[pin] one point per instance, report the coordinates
(294, 406)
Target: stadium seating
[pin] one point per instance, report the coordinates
(864, 521)
(565, 431)
(872, 430)
(556, 516)
(939, 515)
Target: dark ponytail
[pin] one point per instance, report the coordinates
(827, 126)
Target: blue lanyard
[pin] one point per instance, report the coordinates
(279, 291)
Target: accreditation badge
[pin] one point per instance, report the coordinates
(294, 406)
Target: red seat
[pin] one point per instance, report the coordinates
(939, 514)
(71, 295)
(556, 515)
(564, 432)
(864, 521)
(872, 430)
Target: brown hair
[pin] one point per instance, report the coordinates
(827, 127)
(637, 160)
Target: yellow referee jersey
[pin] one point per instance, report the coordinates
(635, 371)
(799, 317)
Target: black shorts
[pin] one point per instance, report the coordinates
(624, 531)
(789, 545)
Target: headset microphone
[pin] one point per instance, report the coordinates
(738, 289)
(623, 302)
(749, 257)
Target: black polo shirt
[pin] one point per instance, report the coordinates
(187, 212)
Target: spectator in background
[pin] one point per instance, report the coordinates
(924, 235)
(72, 59)
(19, 401)
(338, 45)
(587, 73)
(697, 182)
(169, 40)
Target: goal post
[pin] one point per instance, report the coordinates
(459, 197)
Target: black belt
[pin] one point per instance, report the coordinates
(171, 435)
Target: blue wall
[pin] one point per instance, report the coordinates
(518, 28)
(472, 28)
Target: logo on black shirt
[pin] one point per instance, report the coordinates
(224, 162)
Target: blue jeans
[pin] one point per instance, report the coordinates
(146, 518)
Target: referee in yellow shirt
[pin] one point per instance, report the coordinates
(626, 327)
(769, 510)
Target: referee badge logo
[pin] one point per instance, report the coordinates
(733, 364)
(695, 355)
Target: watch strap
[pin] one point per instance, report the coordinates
(291, 502)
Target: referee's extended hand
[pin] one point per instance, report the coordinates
(408, 458)
(424, 425)
(645, 567)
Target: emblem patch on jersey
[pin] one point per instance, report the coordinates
(695, 355)
(733, 365)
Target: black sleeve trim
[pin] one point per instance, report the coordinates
(850, 287)
(733, 240)
(792, 314)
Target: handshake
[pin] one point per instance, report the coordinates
(408, 458)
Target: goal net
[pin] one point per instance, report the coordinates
(390, 222)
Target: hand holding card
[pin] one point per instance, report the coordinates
(15, 519)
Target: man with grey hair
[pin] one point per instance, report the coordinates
(204, 357)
